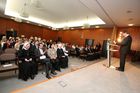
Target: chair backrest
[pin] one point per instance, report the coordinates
(7, 57)
(1, 51)
(10, 50)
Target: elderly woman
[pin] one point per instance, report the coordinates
(27, 67)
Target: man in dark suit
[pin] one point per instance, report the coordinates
(125, 46)
(62, 57)
(40, 54)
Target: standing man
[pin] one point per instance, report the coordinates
(125, 46)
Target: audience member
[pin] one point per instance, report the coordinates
(27, 68)
(42, 57)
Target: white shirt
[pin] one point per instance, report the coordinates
(41, 51)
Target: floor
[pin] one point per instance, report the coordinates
(80, 77)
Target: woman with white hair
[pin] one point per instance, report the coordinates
(62, 57)
(27, 68)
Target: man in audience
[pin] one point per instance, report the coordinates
(42, 57)
(62, 57)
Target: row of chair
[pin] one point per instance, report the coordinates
(8, 60)
(85, 56)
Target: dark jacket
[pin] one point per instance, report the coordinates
(60, 53)
(125, 45)
(26, 54)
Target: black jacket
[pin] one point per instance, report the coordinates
(125, 45)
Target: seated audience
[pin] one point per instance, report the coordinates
(62, 57)
(88, 49)
(77, 49)
(40, 54)
(97, 47)
(53, 57)
(27, 68)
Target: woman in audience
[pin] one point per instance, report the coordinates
(27, 67)
(17, 44)
(53, 57)
(6, 45)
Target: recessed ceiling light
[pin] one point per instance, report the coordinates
(130, 24)
(39, 25)
(72, 28)
(82, 27)
(27, 22)
(129, 11)
(97, 26)
(12, 18)
(130, 19)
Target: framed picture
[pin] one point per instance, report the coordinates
(89, 42)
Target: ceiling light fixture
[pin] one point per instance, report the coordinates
(17, 19)
(65, 28)
(23, 12)
(27, 21)
(130, 24)
(24, 15)
(86, 25)
(97, 26)
(129, 11)
(54, 29)
(130, 19)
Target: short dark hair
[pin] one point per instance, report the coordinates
(125, 31)
(39, 44)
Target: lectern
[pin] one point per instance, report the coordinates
(109, 52)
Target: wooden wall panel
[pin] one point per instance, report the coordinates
(69, 36)
(49, 34)
(7, 24)
(26, 29)
(79, 36)
(30, 30)
(2, 26)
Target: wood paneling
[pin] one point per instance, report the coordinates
(6, 24)
(49, 34)
(26, 29)
(70, 36)
(79, 36)
(30, 30)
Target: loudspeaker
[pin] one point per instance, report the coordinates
(11, 34)
(59, 39)
(104, 49)
(89, 42)
(14, 33)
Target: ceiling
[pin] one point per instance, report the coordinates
(71, 13)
